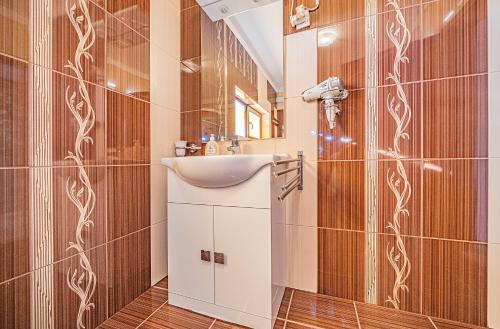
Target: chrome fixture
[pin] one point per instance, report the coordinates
(297, 182)
(182, 146)
(302, 18)
(234, 148)
(331, 92)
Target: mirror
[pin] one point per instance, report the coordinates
(242, 81)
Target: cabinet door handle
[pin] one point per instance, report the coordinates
(205, 255)
(219, 258)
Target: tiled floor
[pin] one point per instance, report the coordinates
(298, 310)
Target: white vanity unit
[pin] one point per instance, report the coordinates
(226, 237)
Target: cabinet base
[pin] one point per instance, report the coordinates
(220, 312)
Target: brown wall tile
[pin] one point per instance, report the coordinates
(65, 41)
(15, 303)
(127, 60)
(405, 206)
(185, 4)
(341, 195)
(389, 27)
(66, 215)
(394, 291)
(455, 199)
(14, 223)
(134, 13)
(455, 38)
(454, 280)
(14, 28)
(14, 112)
(130, 276)
(67, 302)
(456, 118)
(391, 121)
(191, 85)
(345, 58)
(191, 32)
(341, 265)
(128, 130)
(65, 126)
(128, 200)
(191, 127)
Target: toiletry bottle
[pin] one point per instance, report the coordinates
(212, 146)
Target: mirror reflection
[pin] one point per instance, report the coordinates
(241, 68)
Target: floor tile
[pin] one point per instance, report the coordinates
(322, 311)
(137, 311)
(284, 303)
(375, 317)
(171, 317)
(446, 324)
(163, 284)
(226, 325)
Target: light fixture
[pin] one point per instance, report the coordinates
(327, 36)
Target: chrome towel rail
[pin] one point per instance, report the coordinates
(297, 182)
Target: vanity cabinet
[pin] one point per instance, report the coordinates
(220, 255)
(226, 249)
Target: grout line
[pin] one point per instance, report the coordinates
(357, 315)
(161, 288)
(289, 306)
(432, 322)
(151, 314)
(215, 320)
(303, 324)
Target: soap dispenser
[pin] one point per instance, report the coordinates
(212, 146)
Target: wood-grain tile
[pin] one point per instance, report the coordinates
(456, 118)
(128, 130)
(163, 284)
(15, 303)
(14, 112)
(127, 60)
(128, 201)
(322, 311)
(191, 85)
(447, 324)
(65, 126)
(134, 13)
(387, 28)
(14, 28)
(285, 302)
(185, 4)
(14, 223)
(394, 290)
(455, 38)
(454, 281)
(383, 7)
(66, 215)
(394, 110)
(341, 194)
(291, 325)
(130, 276)
(345, 57)
(136, 312)
(191, 32)
(169, 316)
(65, 40)
(455, 199)
(341, 264)
(403, 204)
(280, 324)
(191, 127)
(330, 12)
(66, 305)
(347, 140)
(374, 317)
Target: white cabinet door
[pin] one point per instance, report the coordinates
(243, 282)
(190, 230)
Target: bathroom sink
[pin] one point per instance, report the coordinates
(221, 170)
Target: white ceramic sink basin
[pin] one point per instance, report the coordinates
(221, 170)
